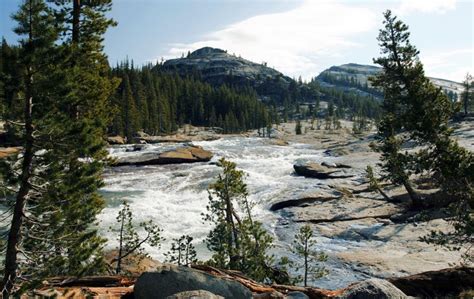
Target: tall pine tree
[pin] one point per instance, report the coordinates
(66, 114)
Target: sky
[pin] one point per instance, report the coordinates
(296, 37)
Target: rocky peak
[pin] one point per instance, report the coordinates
(217, 67)
(206, 51)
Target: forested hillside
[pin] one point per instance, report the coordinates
(157, 103)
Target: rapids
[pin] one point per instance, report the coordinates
(175, 196)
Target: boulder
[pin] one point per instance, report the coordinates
(334, 165)
(200, 153)
(170, 279)
(201, 294)
(269, 295)
(116, 140)
(187, 154)
(449, 282)
(373, 288)
(296, 295)
(318, 171)
(180, 155)
(135, 148)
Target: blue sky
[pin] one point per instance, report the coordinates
(297, 37)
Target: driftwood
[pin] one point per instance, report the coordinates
(84, 292)
(258, 288)
(91, 281)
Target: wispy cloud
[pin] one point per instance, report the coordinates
(451, 64)
(305, 40)
(292, 41)
(425, 6)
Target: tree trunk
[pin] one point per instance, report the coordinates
(417, 202)
(233, 237)
(385, 196)
(14, 235)
(119, 258)
(306, 263)
(76, 14)
(466, 101)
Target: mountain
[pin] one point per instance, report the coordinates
(353, 77)
(217, 67)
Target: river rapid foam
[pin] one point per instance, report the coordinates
(175, 196)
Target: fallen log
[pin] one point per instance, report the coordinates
(91, 281)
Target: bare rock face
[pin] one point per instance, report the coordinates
(217, 67)
(188, 154)
(361, 73)
(373, 289)
(169, 280)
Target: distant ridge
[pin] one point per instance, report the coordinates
(354, 77)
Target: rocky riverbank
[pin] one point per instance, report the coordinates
(341, 206)
(176, 282)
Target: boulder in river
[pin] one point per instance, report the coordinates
(319, 171)
(169, 280)
(187, 154)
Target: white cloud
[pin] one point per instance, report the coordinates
(316, 34)
(425, 6)
(451, 64)
(295, 41)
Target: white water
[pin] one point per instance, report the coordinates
(175, 196)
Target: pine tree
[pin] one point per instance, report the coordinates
(298, 128)
(237, 241)
(467, 93)
(129, 240)
(374, 184)
(303, 244)
(67, 88)
(129, 110)
(412, 105)
(31, 15)
(416, 111)
(182, 251)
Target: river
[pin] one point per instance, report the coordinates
(175, 196)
